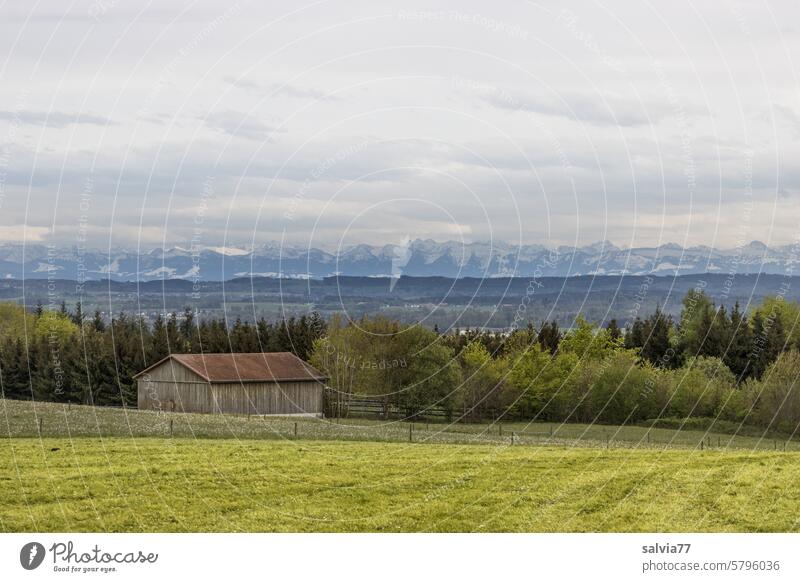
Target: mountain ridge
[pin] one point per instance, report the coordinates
(418, 258)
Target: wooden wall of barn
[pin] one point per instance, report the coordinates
(190, 395)
(268, 398)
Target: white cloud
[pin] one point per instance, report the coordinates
(22, 233)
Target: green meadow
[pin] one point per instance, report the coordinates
(185, 485)
(100, 470)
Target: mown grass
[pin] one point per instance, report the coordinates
(29, 419)
(159, 484)
(97, 469)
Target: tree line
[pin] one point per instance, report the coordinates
(709, 364)
(65, 355)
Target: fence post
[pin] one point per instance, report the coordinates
(170, 428)
(41, 424)
(411, 432)
(513, 437)
(295, 429)
(701, 444)
(500, 427)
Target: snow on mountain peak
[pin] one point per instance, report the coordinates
(420, 257)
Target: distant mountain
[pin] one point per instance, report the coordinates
(417, 258)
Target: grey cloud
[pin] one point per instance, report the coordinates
(301, 92)
(789, 115)
(283, 89)
(56, 119)
(240, 124)
(241, 83)
(599, 110)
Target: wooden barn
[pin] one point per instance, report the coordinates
(263, 383)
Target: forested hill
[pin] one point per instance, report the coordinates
(492, 302)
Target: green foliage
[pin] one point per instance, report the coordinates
(614, 332)
(611, 390)
(55, 326)
(787, 313)
(404, 366)
(15, 322)
(777, 394)
(539, 383)
(549, 336)
(737, 356)
(769, 338)
(697, 316)
(431, 376)
(657, 347)
(483, 393)
(586, 341)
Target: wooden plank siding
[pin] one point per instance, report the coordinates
(268, 398)
(171, 371)
(239, 398)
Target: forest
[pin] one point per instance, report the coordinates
(710, 363)
(65, 355)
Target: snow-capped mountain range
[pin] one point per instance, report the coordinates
(410, 258)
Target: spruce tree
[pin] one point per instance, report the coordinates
(614, 332)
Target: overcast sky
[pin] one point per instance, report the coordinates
(328, 123)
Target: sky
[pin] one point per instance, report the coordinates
(334, 123)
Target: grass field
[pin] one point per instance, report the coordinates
(115, 470)
(26, 419)
(151, 484)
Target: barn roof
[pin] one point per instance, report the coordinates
(259, 367)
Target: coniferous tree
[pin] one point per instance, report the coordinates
(634, 339)
(189, 331)
(97, 322)
(614, 332)
(174, 336)
(737, 356)
(656, 348)
(695, 324)
(13, 370)
(719, 334)
(77, 317)
(159, 345)
(549, 336)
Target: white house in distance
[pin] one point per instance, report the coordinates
(277, 383)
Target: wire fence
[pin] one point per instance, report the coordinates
(49, 420)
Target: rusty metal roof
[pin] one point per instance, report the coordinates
(259, 367)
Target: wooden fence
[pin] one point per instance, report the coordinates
(338, 405)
